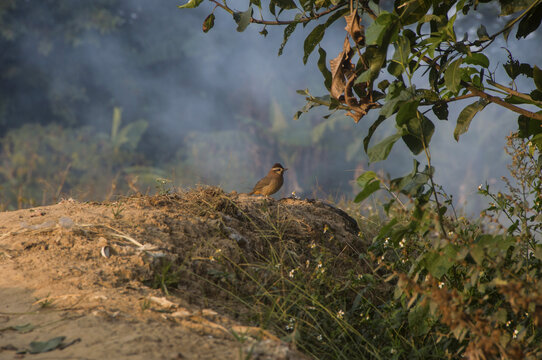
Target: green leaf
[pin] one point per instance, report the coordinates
(208, 23)
(440, 109)
(452, 76)
(314, 38)
(406, 112)
(363, 78)
(419, 320)
(530, 22)
(284, 4)
(366, 178)
(368, 189)
(381, 150)
(191, 4)
(383, 85)
(376, 32)
(477, 253)
(376, 57)
(323, 68)
(371, 131)
(509, 7)
(37, 347)
(482, 33)
(392, 100)
(400, 58)
(528, 126)
(411, 11)
(412, 183)
(288, 30)
(417, 133)
(537, 76)
(466, 116)
(477, 59)
(415, 128)
(243, 19)
(439, 262)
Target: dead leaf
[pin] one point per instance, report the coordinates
(340, 67)
(354, 28)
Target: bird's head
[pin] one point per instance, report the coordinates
(278, 169)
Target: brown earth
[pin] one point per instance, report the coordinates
(91, 273)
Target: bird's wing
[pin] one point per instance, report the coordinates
(261, 184)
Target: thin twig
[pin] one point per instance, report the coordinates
(303, 19)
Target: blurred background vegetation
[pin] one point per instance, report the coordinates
(101, 98)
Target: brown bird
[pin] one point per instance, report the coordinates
(271, 183)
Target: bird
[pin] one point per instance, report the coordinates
(271, 183)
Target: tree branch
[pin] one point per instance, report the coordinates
(279, 22)
(501, 102)
(515, 93)
(488, 97)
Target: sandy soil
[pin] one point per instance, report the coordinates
(82, 271)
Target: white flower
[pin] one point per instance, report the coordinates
(319, 337)
(291, 273)
(312, 245)
(516, 332)
(319, 265)
(340, 314)
(360, 276)
(440, 285)
(508, 323)
(402, 243)
(393, 351)
(386, 240)
(479, 187)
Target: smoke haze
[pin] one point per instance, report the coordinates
(219, 106)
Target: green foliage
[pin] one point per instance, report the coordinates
(466, 116)
(478, 285)
(370, 183)
(427, 49)
(415, 293)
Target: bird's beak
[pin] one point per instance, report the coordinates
(285, 169)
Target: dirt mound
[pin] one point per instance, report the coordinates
(96, 274)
